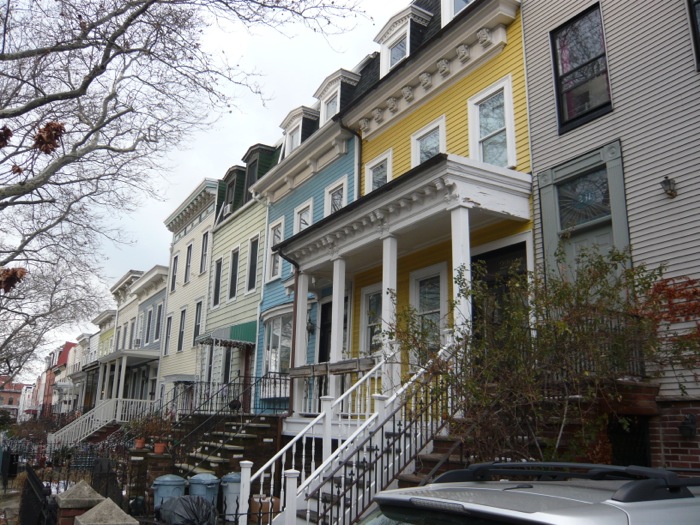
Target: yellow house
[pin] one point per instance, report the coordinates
(444, 179)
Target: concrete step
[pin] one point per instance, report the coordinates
(191, 469)
(222, 446)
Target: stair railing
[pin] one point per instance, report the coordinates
(82, 427)
(301, 452)
(343, 486)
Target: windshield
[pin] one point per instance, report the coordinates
(413, 516)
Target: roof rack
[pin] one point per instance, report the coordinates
(646, 483)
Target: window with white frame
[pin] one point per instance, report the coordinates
(233, 274)
(428, 296)
(278, 343)
(252, 264)
(371, 319)
(293, 139)
(118, 333)
(394, 49)
(173, 274)
(149, 321)
(124, 338)
(275, 236)
(330, 107)
(428, 142)
(204, 254)
(492, 125)
(132, 332)
(168, 331)
(216, 292)
(451, 8)
(188, 263)
(378, 172)
(303, 216)
(159, 320)
(197, 322)
(336, 196)
(181, 331)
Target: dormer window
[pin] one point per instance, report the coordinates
(451, 8)
(398, 51)
(299, 125)
(395, 36)
(330, 107)
(294, 139)
(335, 88)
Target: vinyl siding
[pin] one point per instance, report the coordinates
(656, 114)
(186, 295)
(452, 102)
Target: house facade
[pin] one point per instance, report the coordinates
(187, 287)
(612, 93)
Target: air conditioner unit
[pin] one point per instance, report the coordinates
(227, 209)
(137, 342)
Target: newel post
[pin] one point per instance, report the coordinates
(246, 469)
(290, 507)
(326, 408)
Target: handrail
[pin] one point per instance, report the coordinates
(359, 383)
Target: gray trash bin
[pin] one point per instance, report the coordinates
(205, 485)
(231, 489)
(166, 487)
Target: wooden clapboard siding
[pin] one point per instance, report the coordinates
(656, 116)
(452, 102)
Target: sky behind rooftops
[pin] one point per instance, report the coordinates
(292, 67)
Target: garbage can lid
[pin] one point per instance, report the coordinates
(169, 479)
(204, 479)
(231, 477)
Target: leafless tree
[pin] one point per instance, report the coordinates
(93, 94)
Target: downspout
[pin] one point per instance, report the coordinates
(292, 357)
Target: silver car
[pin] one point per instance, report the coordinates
(544, 493)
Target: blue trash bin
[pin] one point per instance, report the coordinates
(231, 489)
(166, 487)
(205, 485)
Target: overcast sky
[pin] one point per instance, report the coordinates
(292, 68)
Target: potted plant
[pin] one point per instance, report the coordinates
(153, 428)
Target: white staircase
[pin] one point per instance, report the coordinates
(106, 412)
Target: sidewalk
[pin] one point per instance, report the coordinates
(9, 508)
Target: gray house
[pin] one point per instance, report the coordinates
(614, 105)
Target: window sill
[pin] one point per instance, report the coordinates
(585, 119)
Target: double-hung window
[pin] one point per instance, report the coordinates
(188, 263)
(372, 319)
(451, 8)
(203, 256)
(216, 292)
(492, 125)
(398, 50)
(428, 142)
(336, 197)
(581, 70)
(197, 322)
(428, 295)
(274, 260)
(330, 107)
(149, 321)
(378, 172)
(302, 216)
(694, 6)
(181, 331)
(252, 263)
(168, 331)
(159, 319)
(233, 275)
(278, 343)
(173, 274)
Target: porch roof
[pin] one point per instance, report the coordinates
(134, 357)
(414, 207)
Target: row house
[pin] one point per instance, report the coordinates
(614, 98)
(187, 288)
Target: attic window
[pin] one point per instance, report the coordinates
(395, 36)
(294, 139)
(397, 51)
(451, 8)
(330, 107)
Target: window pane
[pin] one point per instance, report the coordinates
(429, 145)
(494, 150)
(253, 264)
(492, 115)
(582, 66)
(304, 218)
(336, 199)
(460, 4)
(294, 139)
(332, 106)
(374, 321)
(398, 51)
(233, 277)
(379, 175)
(583, 199)
(217, 284)
(429, 294)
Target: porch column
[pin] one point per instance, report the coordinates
(300, 340)
(100, 380)
(461, 256)
(115, 379)
(392, 370)
(337, 317)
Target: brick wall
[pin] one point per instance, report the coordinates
(668, 447)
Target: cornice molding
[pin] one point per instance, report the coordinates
(332, 81)
(197, 202)
(399, 21)
(297, 114)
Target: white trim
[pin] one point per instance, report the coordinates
(385, 64)
(306, 204)
(325, 117)
(505, 85)
(364, 294)
(447, 11)
(289, 146)
(342, 182)
(439, 123)
(430, 271)
(386, 156)
(248, 290)
(272, 256)
(237, 249)
(156, 332)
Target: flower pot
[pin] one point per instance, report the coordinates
(139, 442)
(159, 448)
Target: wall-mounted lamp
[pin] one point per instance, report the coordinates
(310, 326)
(669, 186)
(688, 427)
